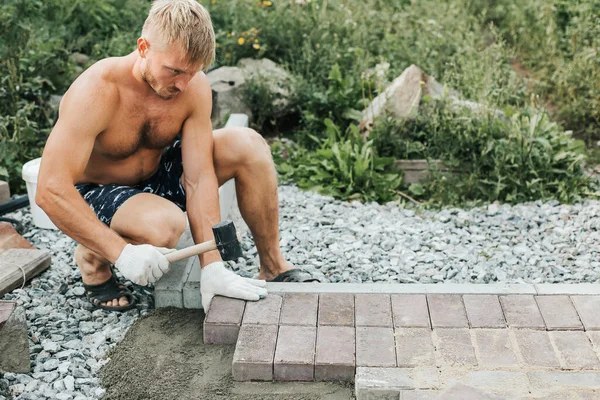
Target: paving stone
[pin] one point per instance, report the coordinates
(410, 311)
(373, 310)
(506, 384)
(263, 312)
(419, 394)
(223, 320)
(567, 394)
(254, 353)
(454, 346)
(168, 290)
(4, 192)
(10, 238)
(336, 309)
(375, 347)
(460, 391)
(299, 309)
(414, 347)
(594, 337)
(295, 353)
(14, 342)
(388, 383)
(494, 348)
(574, 350)
(521, 311)
(562, 379)
(588, 308)
(558, 313)
(484, 311)
(536, 348)
(447, 311)
(192, 298)
(16, 262)
(335, 353)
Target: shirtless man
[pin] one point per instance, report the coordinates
(127, 130)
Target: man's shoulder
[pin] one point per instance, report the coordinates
(99, 80)
(199, 91)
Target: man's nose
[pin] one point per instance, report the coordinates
(182, 82)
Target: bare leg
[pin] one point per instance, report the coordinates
(244, 155)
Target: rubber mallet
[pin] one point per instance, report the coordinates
(227, 241)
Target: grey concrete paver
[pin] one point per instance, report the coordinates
(447, 311)
(373, 310)
(558, 313)
(414, 347)
(263, 312)
(375, 347)
(495, 349)
(410, 311)
(299, 309)
(336, 309)
(335, 353)
(588, 308)
(563, 379)
(419, 394)
(460, 391)
(521, 311)
(535, 348)
(223, 320)
(254, 353)
(574, 350)
(388, 383)
(506, 384)
(484, 311)
(454, 346)
(295, 353)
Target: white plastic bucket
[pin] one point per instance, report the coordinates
(30, 175)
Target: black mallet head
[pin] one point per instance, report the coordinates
(227, 241)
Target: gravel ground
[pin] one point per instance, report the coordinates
(337, 241)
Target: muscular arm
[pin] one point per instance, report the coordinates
(84, 113)
(200, 180)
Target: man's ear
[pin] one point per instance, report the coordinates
(143, 46)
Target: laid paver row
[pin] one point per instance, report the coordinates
(306, 337)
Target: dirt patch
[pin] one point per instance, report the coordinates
(163, 357)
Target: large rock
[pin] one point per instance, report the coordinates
(14, 342)
(276, 79)
(228, 85)
(401, 99)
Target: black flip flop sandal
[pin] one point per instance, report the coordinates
(109, 290)
(295, 275)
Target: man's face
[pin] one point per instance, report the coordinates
(166, 70)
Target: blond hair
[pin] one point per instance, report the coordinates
(184, 22)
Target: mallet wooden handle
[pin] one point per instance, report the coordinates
(195, 250)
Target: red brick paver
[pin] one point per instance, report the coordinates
(375, 347)
(335, 354)
(264, 312)
(484, 311)
(521, 311)
(373, 310)
(223, 320)
(558, 313)
(254, 352)
(336, 309)
(414, 347)
(447, 311)
(299, 309)
(588, 308)
(536, 348)
(295, 353)
(410, 311)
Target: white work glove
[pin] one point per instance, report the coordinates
(215, 279)
(143, 264)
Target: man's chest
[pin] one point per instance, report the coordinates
(137, 127)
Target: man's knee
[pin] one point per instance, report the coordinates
(161, 229)
(252, 147)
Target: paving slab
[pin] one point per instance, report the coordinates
(388, 383)
(373, 310)
(254, 353)
(414, 347)
(454, 346)
(419, 394)
(223, 320)
(535, 348)
(263, 312)
(168, 290)
(484, 311)
(375, 347)
(447, 311)
(521, 311)
(295, 353)
(564, 379)
(506, 384)
(18, 266)
(192, 298)
(558, 312)
(574, 350)
(14, 340)
(494, 348)
(336, 309)
(460, 391)
(299, 309)
(335, 353)
(588, 309)
(410, 311)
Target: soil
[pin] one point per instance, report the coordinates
(163, 357)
